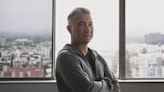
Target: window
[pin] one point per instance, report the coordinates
(138, 50)
(105, 15)
(144, 39)
(26, 39)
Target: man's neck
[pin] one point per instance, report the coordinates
(82, 48)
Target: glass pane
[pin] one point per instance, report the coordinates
(144, 39)
(106, 28)
(25, 38)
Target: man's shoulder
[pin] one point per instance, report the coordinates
(66, 58)
(64, 52)
(67, 54)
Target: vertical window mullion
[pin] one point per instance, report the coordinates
(122, 39)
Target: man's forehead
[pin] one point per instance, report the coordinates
(82, 17)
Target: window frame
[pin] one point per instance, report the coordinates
(122, 39)
(122, 49)
(39, 79)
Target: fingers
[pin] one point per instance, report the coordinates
(86, 76)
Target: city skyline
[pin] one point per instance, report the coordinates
(25, 58)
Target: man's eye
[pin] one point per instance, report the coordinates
(81, 24)
(90, 24)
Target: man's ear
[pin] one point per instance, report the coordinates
(69, 28)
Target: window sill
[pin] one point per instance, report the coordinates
(29, 81)
(143, 80)
(54, 81)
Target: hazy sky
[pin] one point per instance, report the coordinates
(25, 16)
(105, 20)
(144, 16)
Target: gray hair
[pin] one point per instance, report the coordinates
(77, 11)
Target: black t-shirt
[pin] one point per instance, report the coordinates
(91, 59)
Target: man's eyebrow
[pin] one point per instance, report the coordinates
(84, 22)
(81, 22)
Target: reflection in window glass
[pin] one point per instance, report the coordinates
(144, 39)
(106, 30)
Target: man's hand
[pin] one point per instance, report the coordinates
(86, 76)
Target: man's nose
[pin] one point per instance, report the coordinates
(88, 28)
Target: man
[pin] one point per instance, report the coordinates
(78, 68)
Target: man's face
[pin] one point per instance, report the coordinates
(81, 29)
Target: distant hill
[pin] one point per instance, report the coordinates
(36, 37)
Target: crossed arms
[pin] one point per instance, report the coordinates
(78, 80)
